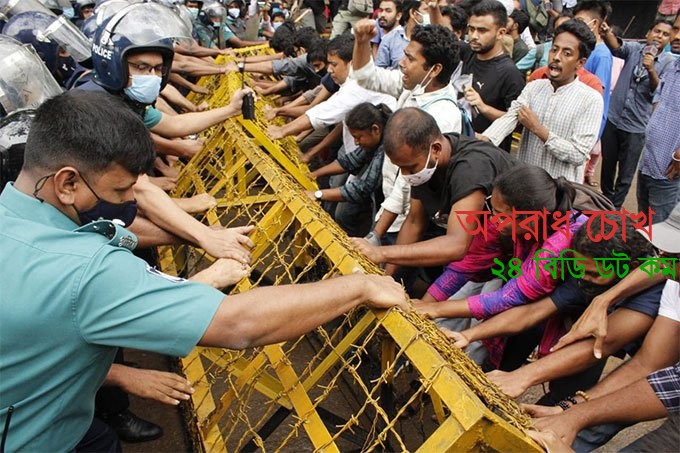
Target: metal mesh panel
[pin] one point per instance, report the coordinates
(367, 381)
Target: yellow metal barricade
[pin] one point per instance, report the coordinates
(367, 381)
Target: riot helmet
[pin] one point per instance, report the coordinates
(142, 27)
(25, 82)
(46, 33)
(13, 134)
(13, 7)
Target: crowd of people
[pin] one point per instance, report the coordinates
(405, 116)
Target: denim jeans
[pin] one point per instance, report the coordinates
(661, 195)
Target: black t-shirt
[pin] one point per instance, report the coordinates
(474, 165)
(498, 82)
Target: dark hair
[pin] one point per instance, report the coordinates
(598, 8)
(342, 46)
(305, 37)
(317, 52)
(277, 14)
(88, 130)
(439, 45)
(521, 19)
(662, 21)
(406, 8)
(283, 39)
(492, 8)
(530, 188)
(457, 16)
(363, 116)
(635, 245)
(410, 126)
(398, 4)
(586, 37)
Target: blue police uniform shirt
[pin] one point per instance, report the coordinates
(68, 300)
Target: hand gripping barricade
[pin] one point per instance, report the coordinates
(368, 381)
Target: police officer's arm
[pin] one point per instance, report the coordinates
(196, 66)
(440, 250)
(190, 123)
(273, 314)
(237, 42)
(158, 207)
(180, 148)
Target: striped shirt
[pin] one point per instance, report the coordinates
(572, 114)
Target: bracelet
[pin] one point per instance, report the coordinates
(583, 395)
(572, 400)
(674, 158)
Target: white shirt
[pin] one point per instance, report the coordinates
(334, 109)
(572, 115)
(670, 301)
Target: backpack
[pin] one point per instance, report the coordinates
(538, 15)
(465, 121)
(589, 199)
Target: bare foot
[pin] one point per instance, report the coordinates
(198, 203)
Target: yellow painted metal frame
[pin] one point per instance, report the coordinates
(240, 160)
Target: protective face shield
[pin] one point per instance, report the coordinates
(215, 9)
(13, 134)
(11, 8)
(25, 81)
(88, 27)
(139, 27)
(105, 10)
(64, 32)
(28, 28)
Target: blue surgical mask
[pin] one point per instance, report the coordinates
(122, 213)
(70, 13)
(145, 88)
(234, 12)
(193, 12)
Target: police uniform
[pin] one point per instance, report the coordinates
(70, 296)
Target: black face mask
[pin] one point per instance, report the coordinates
(122, 213)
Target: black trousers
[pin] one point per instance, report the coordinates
(111, 399)
(99, 438)
(620, 151)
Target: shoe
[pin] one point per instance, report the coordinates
(131, 428)
(590, 180)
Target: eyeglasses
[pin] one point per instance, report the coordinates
(146, 68)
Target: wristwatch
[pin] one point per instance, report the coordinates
(318, 194)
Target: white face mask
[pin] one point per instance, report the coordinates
(193, 12)
(234, 12)
(420, 88)
(424, 175)
(276, 25)
(425, 19)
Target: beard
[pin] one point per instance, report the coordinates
(387, 25)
